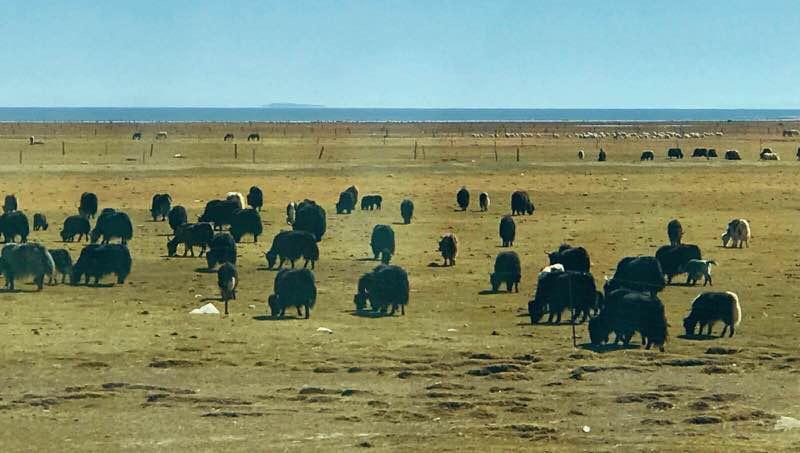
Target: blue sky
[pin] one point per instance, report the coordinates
(373, 53)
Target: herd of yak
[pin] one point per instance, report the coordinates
(628, 304)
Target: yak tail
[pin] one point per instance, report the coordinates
(737, 308)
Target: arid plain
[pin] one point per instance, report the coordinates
(126, 367)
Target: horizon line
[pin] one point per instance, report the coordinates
(322, 107)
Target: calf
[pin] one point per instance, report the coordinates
(191, 235)
(699, 268)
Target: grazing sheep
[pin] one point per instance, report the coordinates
(310, 217)
(508, 230)
(385, 286)
(290, 213)
(448, 246)
(39, 222)
(627, 312)
(227, 279)
(507, 269)
(88, 205)
(462, 198)
(346, 203)
(738, 233)
(96, 261)
(191, 235)
(13, 224)
(246, 221)
(647, 155)
(75, 225)
(21, 260)
(407, 210)
(292, 245)
(353, 191)
(673, 259)
(707, 308)
(112, 225)
(640, 273)
(521, 203)
(160, 206)
(484, 201)
(237, 197)
(382, 243)
(220, 212)
(558, 291)
(293, 288)
(10, 204)
(177, 217)
(221, 249)
(63, 263)
(573, 258)
(699, 268)
(255, 198)
(674, 232)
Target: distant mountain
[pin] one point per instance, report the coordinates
(290, 105)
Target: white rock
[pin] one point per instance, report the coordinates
(586, 429)
(198, 296)
(452, 330)
(324, 329)
(786, 423)
(251, 306)
(207, 309)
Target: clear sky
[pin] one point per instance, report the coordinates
(375, 53)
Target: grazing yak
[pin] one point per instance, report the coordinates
(191, 235)
(638, 273)
(353, 191)
(483, 201)
(699, 268)
(228, 137)
(63, 264)
(732, 154)
(254, 137)
(88, 205)
(647, 155)
(581, 154)
(601, 156)
(462, 198)
(407, 210)
(674, 258)
(162, 135)
(292, 245)
(384, 287)
(98, 260)
(508, 230)
(370, 202)
(227, 280)
(448, 247)
(674, 153)
(255, 198)
(310, 217)
(700, 152)
(382, 243)
(768, 154)
(112, 224)
(221, 249)
(10, 204)
(559, 291)
(521, 203)
(507, 269)
(738, 232)
(293, 288)
(246, 221)
(627, 312)
(710, 307)
(219, 212)
(177, 217)
(13, 224)
(572, 258)
(160, 206)
(21, 260)
(346, 203)
(40, 222)
(75, 225)
(711, 153)
(674, 232)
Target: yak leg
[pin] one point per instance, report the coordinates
(724, 329)
(299, 312)
(307, 311)
(226, 305)
(731, 334)
(708, 279)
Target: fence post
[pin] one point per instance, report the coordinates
(20, 157)
(151, 149)
(415, 150)
(321, 150)
(63, 149)
(235, 150)
(517, 153)
(254, 155)
(142, 156)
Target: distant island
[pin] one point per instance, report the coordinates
(290, 105)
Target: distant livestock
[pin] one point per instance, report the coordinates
(370, 202)
(639, 273)
(407, 210)
(674, 153)
(581, 154)
(310, 217)
(246, 221)
(88, 205)
(354, 191)
(161, 135)
(699, 268)
(384, 287)
(508, 231)
(448, 247)
(674, 232)
(346, 203)
(13, 224)
(791, 133)
(768, 154)
(33, 141)
(75, 225)
(507, 269)
(674, 258)
(572, 258)
(293, 288)
(228, 137)
(63, 264)
(738, 233)
(22, 260)
(627, 312)
(191, 235)
(700, 152)
(255, 198)
(219, 212)
(647, 155)
(227, 280)
(601, 156)
(707, 308)
(39, 222)
(177, 217)
(559, 291)
(136, 136)
(382, 243)
(221, 249)
(97, 261)
(160, 206)
(732, 154)
(291, 246)
(462, 198)
(484, 201)
(110, 225)
(521, 203)
(10, 204)
(254, 137)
